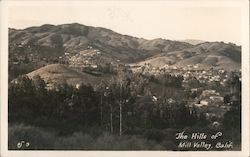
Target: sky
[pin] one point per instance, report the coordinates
(145, 20)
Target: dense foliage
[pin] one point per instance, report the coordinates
(123, 106)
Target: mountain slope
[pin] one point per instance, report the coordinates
(80, 45)
(49, 40)
(207, 55)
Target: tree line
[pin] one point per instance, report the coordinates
(120, 106)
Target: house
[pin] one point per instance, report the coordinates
(170, 100)
(196, 66)
(94, 66)
(207, 93)
(194, 90)
(204, 102)
(217, 98)
(154, 98)
(198, 105)
(78, 86)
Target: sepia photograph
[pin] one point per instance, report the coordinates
(125, 76)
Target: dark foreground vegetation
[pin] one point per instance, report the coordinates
(121, 114)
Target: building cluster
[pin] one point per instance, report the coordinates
(86, 58)
(191, 71)
(210, 102)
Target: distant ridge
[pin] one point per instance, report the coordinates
(218, 55)
(50, 40)
(193, 41)
(79, 44)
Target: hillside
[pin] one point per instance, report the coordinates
(53, 41)
(193, 41)
(206, 55)
(79, 46)
(55, 74)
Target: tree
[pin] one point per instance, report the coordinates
(22, 99)
(194, 83)
(123, 83)
(202, 119)
(232, 118)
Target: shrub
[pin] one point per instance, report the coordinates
(36, 137)
(105, 141)
(154, 134)
(77, 141)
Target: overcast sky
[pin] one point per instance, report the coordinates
(146, 20)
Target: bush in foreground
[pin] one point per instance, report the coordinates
(36, 137)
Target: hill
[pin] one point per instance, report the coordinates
(205, 55)
(79, 45)
(48, 41)
(193, 41)
(55, 74)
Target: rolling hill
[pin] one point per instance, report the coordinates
(206, 55)
(56, 40)
(55, 74)
(77, 45)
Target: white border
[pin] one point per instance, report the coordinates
(244, 4)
